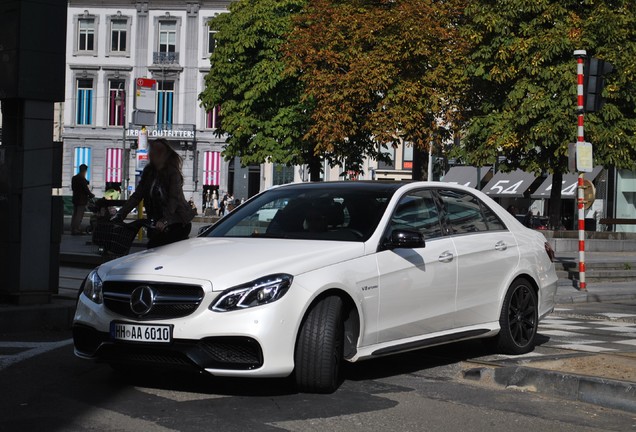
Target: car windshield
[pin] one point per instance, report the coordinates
(311, 213)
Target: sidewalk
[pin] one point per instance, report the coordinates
(568, 292)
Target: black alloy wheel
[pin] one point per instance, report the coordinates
(519, 319)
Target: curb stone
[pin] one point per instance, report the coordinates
(582, 297)
(603, 392)
(57, 315)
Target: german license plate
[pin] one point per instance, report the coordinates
(141, 332)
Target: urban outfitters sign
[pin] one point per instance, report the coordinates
(176, 133)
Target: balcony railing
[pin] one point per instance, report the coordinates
(165, 58)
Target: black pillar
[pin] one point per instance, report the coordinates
(32, 66)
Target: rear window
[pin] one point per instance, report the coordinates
(467, 214)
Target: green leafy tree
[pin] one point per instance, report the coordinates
(380, 72)
(524, 83)
(262, 112)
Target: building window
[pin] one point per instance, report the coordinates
(118, 35)
(113, 165)
(86, 34)
(82, 155)
(407, 160)
(283, 174)
(167, 36)
(213, 118)
(390, 152)
(165, 102)
(116, 102)
(84, 104)
(211, 41)
(211, 168)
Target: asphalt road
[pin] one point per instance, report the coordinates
(43, 387)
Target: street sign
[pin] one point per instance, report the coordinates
(589, 193)
(130, 188)
(146, 94)
(584, 158)
(142, 159)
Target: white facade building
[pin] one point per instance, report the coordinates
(110, 45)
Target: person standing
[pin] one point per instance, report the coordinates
(81, 195)
(161, 189)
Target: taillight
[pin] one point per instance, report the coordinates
(549, 251)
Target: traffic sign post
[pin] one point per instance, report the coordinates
(583, 160)
(145, 101)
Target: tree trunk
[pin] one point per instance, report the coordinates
(555, 201)
(420, 164)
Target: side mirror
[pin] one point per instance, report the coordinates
(405, 239)
(203, 229)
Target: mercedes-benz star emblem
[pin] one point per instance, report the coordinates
(142, 299)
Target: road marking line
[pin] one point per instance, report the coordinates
(17, 344)
(564, 327)
(587, 348)
(627, 342)
(37, 348)
(557, 333)
(178, 396)
(617, 315)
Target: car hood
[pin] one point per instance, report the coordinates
(226, 262)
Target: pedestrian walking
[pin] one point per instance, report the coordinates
(81, 195)
(161, 189)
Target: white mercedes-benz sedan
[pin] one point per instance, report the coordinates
(335, 272)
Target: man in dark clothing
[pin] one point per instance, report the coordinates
(81, 195)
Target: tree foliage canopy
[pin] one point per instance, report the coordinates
(263, 115)
(524, 81)
(379, 72)
(342, 78)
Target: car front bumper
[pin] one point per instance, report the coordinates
(258, 341)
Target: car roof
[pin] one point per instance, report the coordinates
(376, 186)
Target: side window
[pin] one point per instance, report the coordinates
(492, 220)
(463, 212)
(417, 211)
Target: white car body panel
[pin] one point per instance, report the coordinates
(401, 296)
(227, 269)
(417, 291)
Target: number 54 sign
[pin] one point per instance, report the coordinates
(502, 187)
(512, 184)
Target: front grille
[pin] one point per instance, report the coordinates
(170, 301)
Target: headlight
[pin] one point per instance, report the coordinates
(261, 291)
(93, 287)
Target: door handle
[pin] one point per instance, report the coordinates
(446, 257)
(501, 246)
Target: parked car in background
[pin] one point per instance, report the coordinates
(341, 271)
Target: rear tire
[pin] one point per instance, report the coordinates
(519, 319)
(319, 350)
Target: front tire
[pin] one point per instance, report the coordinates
(319, 350)
(519, 319)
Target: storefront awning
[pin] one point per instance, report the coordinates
(509, 184)
(466, 175)
(570, 182)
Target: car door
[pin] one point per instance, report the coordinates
(417, 286)
(486, 255)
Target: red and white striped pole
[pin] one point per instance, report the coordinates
(580, 109)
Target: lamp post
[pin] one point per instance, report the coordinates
(120, 101)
